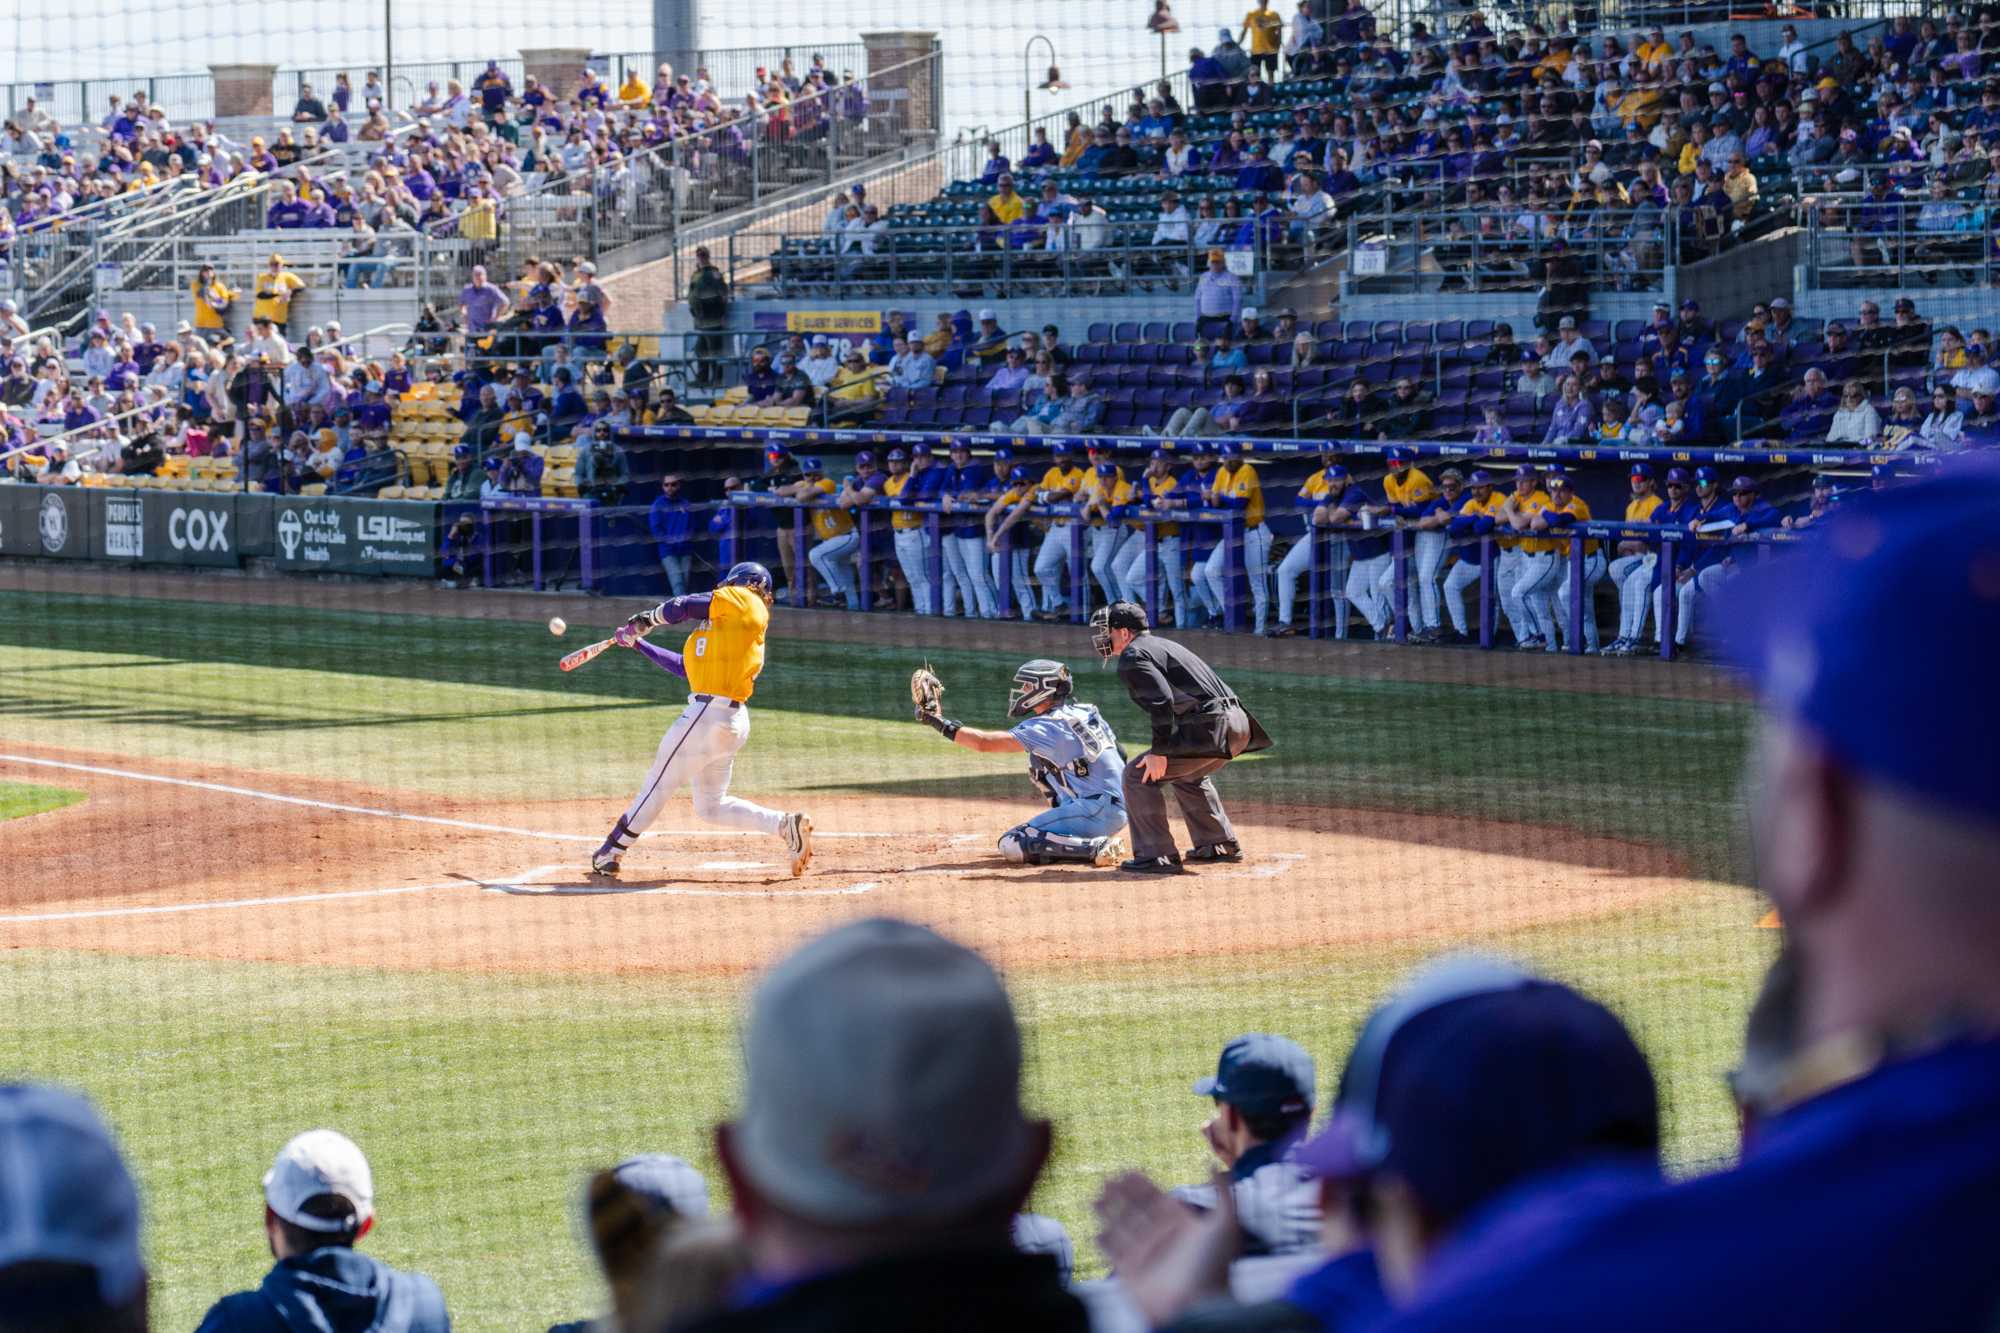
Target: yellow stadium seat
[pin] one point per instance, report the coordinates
(389, 493)
(563, 455)
(313, 488)
(735, 395)
(796, 416)
(176, 466)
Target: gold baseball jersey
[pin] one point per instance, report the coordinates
(725, 653)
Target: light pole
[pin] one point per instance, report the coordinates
(1028, 79)
(388, 57)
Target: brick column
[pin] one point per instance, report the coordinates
(558, 68)
(242, 90)
(886, 50)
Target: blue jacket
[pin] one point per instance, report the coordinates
(333, 1290)
(672, 524)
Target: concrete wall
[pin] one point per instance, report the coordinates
(355, 311)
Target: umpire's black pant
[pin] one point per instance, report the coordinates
(1188, 777)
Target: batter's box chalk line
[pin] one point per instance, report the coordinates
(529, 884)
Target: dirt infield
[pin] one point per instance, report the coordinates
(156, 863)
(1359, 660)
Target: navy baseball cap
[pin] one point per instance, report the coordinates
(920, 451)
(1706, 476)
(1898, 584)
(1107, 469)
(1059, 449)
(1556, 472)
(1020, 473)
(863, 457)
(461, 451)
(1744, 484)
(1338, 472)
(810, 463)
(1229, 449)
(1643, 470)
(1163, 453)
(1262, 1074)
(1678, 476)
(897, 456)
(1480, 477)
(1397, 455)
(1476, 1074)
(1003, 455)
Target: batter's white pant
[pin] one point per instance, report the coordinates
(913, 554)
(1256, 567)
(965, 564)
(698, 752)
(1701, 585)
(834, 559)
(1052, 565)
(1105, 543)
(1524, 595)
(1129, 573)
(1024, 588)
(1593, 574)
(1632, 575)
(1364, 588)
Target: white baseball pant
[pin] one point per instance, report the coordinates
(834, 559)
(965, 560)
(698, 752)
(1024, 588)
(1052, 565)
(1105, 543)
(1129, 573)
(1524, 594)
(1632, 575)
(1256, 567)
(913, 554)
(1701, 585)
(1364, 589)
(1593, 574)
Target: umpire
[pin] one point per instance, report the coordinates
(1198, 726)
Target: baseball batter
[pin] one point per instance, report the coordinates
(1072, 757)
(721, 660)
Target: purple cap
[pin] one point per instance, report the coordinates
(1107, 469)
(1643, 470)
(898, 456)
(1707, 475)
(1743, 484)
(1899, 584)
(1003, 455)
(920, 451)
(1336, 472)
(1161, 452)
(1453, 1087)
(1229, 449)
(1678, 475)
(1059, 449)
(863, 457)
(1480, 477)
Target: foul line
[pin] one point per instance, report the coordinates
(339, 808)
(167, 908)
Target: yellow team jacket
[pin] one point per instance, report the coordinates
(1640, 509)
(1157, 490)
(1240, 483)
(1059, 482)
(725, 653)
(1582, 511)
(829, 523)
(1409, 487)
(1508, 539)
(1091, 486)
(902, 520)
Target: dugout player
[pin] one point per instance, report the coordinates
(721, 659)
(1072, 757)
(1866, 1200)
(1198, 726)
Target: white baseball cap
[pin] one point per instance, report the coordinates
(523, 440)
(320, 1162)
(987, 314)
(1249, 312)
(667, 1181)
(883, 1080)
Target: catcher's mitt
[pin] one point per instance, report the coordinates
(926, 692)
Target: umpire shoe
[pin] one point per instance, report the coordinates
(1153, 865)
(1216, 852)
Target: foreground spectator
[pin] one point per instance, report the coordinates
(69, 1219)
(1879, 823)
(319, 1201)
(1263, 1093)
(633, 1211)
(1475, 1087)
(882, 1152)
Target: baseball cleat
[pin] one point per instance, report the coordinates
(797, 831)
(1111, 853)
(1153, 865)
(1216, 852)
(604, 864)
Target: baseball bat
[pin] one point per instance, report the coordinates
(585, 654)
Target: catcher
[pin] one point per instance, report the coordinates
(1072, 757)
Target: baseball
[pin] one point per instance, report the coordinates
(557, 625)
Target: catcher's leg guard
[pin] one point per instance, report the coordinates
(1027, 845)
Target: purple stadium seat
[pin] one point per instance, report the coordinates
(1157, 331)
(1088, 354)
(1449, 331)
(1375, 372)
(1006, 406)
(1628, 328)
(1183, 332)
(1478, 330)
(1388, 330)
(1728, 331)
(1597, 330)
(1419, 331)
(952, 395)
(1125, 331)
(1325, 329)
(1265, 354)
(1100, 332)
(1361, 330)
(1120, 418)
(1311, 379)
(1150, 403)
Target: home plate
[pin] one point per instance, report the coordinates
(734, 865)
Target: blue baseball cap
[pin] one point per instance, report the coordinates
(1744, 484)
(1706, 476)
(810, 463)
(1338, 472)
(1480, 477)
(1395, 454)
(492, 463)
(66, 1198)
(1107, 469)
(1555, 472)
(461, 451)
(920, 451)
(1059, 448)
(1476, 1074)
(1161, 452)
(1020, 473)
(1262, 1074)
(1643, 470)
(1899, 584)
(1003, 455)
(864, 457)
(1229, 449)
(1678, 476)
(898, 456)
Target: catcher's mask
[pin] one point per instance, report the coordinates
(749, 574)
(1036, 681)
(1118, 615)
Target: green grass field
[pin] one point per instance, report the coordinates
(18, 800)
(482, 1099)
